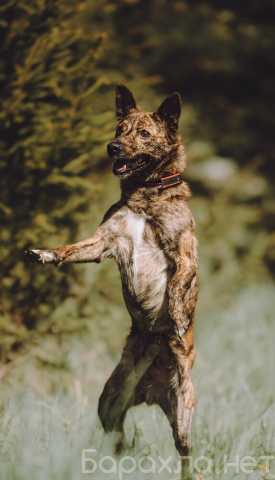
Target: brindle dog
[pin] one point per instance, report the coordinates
(150, 234)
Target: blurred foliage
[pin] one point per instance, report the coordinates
(56, 118)
(219, 55)
(59, 64)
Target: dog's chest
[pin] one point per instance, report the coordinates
(143, 267)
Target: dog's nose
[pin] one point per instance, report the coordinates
(114, 149)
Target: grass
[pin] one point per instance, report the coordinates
(48, 409)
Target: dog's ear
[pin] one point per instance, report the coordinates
(125, 101)
(169, 111)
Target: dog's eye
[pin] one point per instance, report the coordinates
(144, 133)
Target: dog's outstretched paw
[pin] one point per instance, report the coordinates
(42, 256)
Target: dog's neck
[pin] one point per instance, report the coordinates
(166, 181)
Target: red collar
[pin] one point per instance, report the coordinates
(167, 181)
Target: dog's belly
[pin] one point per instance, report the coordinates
(144, 272)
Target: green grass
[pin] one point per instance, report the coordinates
(48, 411)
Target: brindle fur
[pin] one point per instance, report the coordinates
(150, 234)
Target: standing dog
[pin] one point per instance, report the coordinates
(150, 234)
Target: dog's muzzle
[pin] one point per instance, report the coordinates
(114, 149)
(124, 166)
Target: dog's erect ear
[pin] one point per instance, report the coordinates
(125, 101)
(169, 111)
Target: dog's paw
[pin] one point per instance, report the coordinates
(42, 256)
(180, 331)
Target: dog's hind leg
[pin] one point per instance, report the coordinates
(181, 394)
(119, 391)
(168, 383)
(182, 402)
(155, 372)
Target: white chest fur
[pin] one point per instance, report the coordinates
(135, 230)
(144, 269)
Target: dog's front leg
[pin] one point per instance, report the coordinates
(183, 286)
(182, 297)
(100, 245)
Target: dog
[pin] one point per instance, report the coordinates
(150, 232)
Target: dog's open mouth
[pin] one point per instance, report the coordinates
(124, 167)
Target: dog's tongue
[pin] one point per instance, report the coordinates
(122, 169)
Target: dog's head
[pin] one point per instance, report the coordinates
(143, 141)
